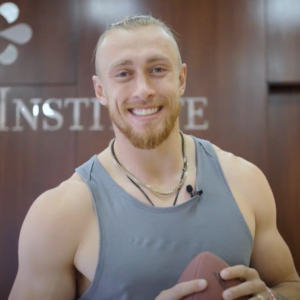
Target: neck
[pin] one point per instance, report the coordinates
(162, 164)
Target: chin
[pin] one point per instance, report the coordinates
(148, 139)
(150, 135)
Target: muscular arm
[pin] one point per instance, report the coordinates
(271, 256)
(47, 245)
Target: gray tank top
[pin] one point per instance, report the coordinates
(144, 249)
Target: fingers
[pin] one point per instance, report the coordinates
(239, 271)
(246, 288)
(252, 284)
(182, 289)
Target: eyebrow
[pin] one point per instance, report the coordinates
(157, 57)
(126, 62)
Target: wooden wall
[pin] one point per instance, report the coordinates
(243, 94)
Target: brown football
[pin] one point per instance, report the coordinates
(208, 266)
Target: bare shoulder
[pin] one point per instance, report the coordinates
(250, 182)
(49, 238)
(68, 200)
(60, 215)
(240, 171)
(277, 266)
(236, 163)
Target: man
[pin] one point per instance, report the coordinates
(124, 225)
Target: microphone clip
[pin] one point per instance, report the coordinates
(191, 191)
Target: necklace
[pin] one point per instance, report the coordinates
(175, 200)
(138, 182)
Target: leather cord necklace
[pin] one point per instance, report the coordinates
(183, 175)
(140, 183)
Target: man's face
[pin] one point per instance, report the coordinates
(140, 82)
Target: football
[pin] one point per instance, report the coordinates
(208, 266)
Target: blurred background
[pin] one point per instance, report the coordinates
(243, 94)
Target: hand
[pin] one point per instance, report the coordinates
(252, 285)
(183, 289)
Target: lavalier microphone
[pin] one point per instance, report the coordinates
(190, 190)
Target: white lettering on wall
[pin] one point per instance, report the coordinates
(52, 114)
(21, 109)
(53, 108)
(3, 92)
(96, 116)
(76, 111)
(192, 113)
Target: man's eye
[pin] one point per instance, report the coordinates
(158, 70)
(123, 74)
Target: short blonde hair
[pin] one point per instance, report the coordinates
(133, 23)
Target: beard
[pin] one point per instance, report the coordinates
(152, 137)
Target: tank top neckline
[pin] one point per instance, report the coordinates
(124, 195)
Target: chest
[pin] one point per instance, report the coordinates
(86, 258)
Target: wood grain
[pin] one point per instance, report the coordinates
(283, 41)
(31, 162)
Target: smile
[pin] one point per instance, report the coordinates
(145, 112)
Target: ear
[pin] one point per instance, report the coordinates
(182, 78)
(99, 90)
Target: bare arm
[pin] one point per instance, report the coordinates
(47, 245)
(271, 256)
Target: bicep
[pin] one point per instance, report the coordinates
(45, 258)
(271, 256)
(41, 284)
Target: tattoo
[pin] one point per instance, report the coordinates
(280, 297)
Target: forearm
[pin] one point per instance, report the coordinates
(287, 291)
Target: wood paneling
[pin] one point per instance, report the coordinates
(50, 55)
(240, 103)
(31, 162)
(284, 162)
(283, 39)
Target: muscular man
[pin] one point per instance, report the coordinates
(124, 226)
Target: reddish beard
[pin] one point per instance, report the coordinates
(151, 138)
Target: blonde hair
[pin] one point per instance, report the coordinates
(133, 23)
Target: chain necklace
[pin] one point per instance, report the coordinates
(154, 191)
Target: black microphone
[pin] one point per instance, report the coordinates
(190, 190)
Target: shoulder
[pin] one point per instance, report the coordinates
(249, 179)
(60, 214)
(236, 166)
(49, 238)
(70, 197)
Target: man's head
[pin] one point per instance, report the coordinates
(140, 79)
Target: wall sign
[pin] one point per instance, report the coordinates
(54, 108)
(17, 34)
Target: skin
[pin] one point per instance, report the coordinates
(59, 239)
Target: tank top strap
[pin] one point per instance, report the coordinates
(85, 170)
(207, 146)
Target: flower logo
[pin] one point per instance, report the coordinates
(18, 34)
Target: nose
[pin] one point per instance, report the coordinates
(143, 88)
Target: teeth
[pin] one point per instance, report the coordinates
(144, 112)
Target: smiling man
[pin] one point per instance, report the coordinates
(124, 225)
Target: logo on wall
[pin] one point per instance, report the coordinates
(17, 34)
(49, 114)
